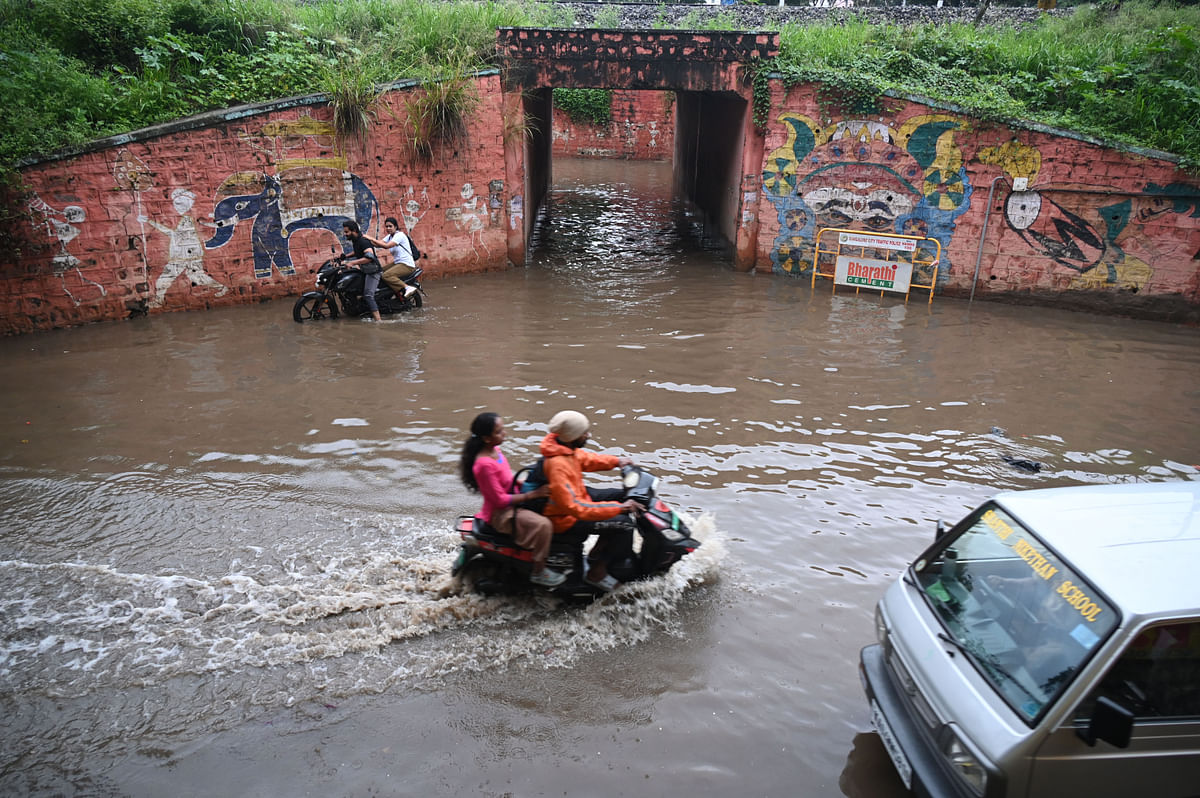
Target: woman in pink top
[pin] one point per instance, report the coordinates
(484, 470)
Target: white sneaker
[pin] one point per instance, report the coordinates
(548, 578)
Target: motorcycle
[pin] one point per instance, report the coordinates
(493, 564)
(339, 290)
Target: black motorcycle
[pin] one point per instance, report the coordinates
(493, 564)
(340, 288)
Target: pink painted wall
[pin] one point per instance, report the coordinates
(129, 227)
(642, 129)
(1071, 222)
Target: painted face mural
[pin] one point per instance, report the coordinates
(1089, 240)
(864, 175)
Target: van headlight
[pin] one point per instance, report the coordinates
(881, 627)
(964, 762)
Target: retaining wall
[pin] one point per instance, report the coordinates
(1071, 222)
(243, 206)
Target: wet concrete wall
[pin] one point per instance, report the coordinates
(1070, 222)
(642, 128)
(244, 205)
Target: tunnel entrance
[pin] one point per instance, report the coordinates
(717, 154)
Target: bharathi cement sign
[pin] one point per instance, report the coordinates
(884, 275)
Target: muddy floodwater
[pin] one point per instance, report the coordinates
(226, 537)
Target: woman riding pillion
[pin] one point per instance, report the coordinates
(399, 246)
(483, 469)
(582, 511)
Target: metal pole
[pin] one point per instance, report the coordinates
(987, 215)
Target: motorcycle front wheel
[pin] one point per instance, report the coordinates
(313, 307)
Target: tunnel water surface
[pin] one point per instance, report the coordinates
(227, 536)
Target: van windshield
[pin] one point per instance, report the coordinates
(1023, 617)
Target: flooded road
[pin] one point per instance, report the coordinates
(226, 537)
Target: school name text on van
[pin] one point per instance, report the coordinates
(1040, 565)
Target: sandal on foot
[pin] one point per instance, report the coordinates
(548, 578)
(606, 584)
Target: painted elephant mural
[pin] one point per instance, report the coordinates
(864, 175)
(297, 198)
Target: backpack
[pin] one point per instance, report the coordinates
(412, 247)
(532, 477)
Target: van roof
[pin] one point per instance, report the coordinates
(1139, 543)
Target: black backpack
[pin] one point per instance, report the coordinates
(412, 247)
(533, 477)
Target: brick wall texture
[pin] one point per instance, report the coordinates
(245, 207)
(242, 205)
(642, 128)
(1071, 222)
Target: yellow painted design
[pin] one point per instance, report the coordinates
(1131, 274)
(320, 163)
(303, 126)
(1016, 159)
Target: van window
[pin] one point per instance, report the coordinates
(1157, 676)
(1025, 620)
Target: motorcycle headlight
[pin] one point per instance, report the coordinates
(965, 762)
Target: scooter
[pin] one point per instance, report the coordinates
(338, 284)
(493, 564)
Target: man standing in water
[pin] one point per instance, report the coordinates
(579, 509)
(366, 262)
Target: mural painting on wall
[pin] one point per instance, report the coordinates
(867, 176)
(1075, 227)
(60, 224)
(472, 216)
(185, 255)
(301, 194)
(132, 175)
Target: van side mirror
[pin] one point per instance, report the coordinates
(939, 530)
(1110, 722)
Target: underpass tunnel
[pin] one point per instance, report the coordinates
(717, 151)
(709, 139)
(707, 164)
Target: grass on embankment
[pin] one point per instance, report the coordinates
(73, 70)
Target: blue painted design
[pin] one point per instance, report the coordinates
(269, 236)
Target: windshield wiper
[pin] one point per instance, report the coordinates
(961, 646)
(989, 663)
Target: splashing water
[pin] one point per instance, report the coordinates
(388, 620)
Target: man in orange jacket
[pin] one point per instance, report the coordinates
(574, 507)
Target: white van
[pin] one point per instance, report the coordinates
(1048, 645)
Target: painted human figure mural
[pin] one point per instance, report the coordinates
(62, 225)
(864, 175)
(185, 253)
(470, 216)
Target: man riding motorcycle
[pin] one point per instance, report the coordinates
(583, 511)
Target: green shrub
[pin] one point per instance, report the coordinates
(77, 69)
(589, 106)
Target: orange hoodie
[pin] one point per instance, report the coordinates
(569, 500)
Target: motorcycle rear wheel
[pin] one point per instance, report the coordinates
(314, 308)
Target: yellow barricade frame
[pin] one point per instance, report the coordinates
(914, 258)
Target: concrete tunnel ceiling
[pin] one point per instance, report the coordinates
(715, 143)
